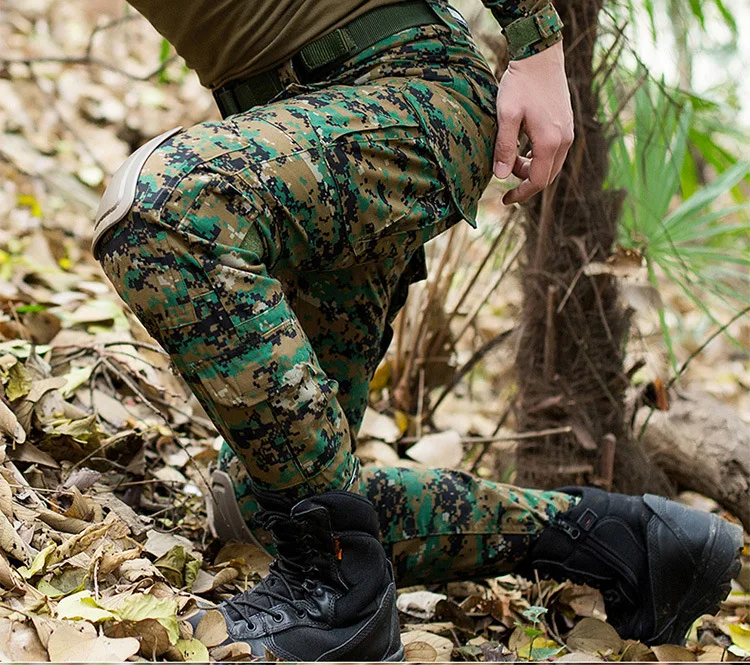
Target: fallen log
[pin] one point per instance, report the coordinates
(704, 446)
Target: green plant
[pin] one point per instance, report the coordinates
(701, 243)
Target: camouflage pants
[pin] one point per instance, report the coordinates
(268, 253)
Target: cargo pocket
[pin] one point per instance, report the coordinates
(392, 193)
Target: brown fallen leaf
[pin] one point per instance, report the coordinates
(426, 647)
(255, 560)
(19, 642)
(81, 644)
(671, 653)
(637, 652)
(212, 629)
(239, 651)
(420, 652)
(12, 543)
(593, 636)
(153, 637)
(62, 522)
(713, 653)
(421, 604)
(80, 542)
(8, 577)
(10, 426)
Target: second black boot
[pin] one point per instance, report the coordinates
(659, 564)
(330, 595)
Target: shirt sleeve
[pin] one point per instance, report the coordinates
(507, 12)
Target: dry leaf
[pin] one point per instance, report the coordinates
(212, 629)
(378, 426)
(67, 644)
(584, 601)
(671, 653)
(426, 647)
(578, 657)
(231, 652)
(80, 542)
(637, 652)
(12, 543)
(151, 635)
(421, 604)
(9, 424)
(254, 560)
(420, 652)
(19, 642)
(443, 450)
(158, 543)
(8, 579)
(6, 498)
(595, 637)
(713, 653)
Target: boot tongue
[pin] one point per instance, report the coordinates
(340, 511)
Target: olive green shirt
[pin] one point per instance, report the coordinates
(226, 39)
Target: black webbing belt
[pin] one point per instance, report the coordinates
(321, 56)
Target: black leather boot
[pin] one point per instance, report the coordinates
(330, 595)
(659, 564)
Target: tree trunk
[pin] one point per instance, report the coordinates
(574, 327)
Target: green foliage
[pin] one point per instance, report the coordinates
(687, 230)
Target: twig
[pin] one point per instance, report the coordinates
(607, 460)
(523, 436)
(490, 289)
(86, 60)
(486, 446)
(550, 336)
(690, 358)
(442, 334)
(480, 353)
(420, 403)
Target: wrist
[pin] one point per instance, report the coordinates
(533, 33)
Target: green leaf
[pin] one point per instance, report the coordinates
(19, 382)
(535, 613)
(27, 309)
(142, 606)
(38, 564)
(83, 607)
(193, 651)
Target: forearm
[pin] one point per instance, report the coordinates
(530, 26)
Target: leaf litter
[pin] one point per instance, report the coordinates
(104, 454)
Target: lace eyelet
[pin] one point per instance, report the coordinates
(301, 613)
(277, 618)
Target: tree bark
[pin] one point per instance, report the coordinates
(570, 361)
(703, 446)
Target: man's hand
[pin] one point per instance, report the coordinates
(533, 95)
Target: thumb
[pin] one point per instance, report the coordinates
(508, 127)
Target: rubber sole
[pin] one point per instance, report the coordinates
(719, 564)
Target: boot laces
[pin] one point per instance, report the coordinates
(291, 570)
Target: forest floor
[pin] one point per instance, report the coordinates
(105, 456)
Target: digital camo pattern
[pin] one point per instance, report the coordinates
(269, 252)
(437, 525)
(549, 23)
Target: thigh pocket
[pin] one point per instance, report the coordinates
(393, 196)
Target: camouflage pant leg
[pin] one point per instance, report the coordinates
(323, 182)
